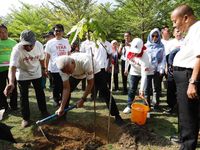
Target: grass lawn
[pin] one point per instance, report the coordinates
(159, 124)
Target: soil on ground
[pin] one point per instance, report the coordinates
(63, 135)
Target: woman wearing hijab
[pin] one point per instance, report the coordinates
(156, 53)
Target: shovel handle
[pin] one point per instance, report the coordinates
(54, 116)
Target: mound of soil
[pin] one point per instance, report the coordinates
(74, 136)
(135, 135)
(66, 137)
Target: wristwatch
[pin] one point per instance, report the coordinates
(192, 81)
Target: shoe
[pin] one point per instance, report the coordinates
(175, 139)
(127, 110)
(63, 117)
(14, 108)
(156, 108)
(25, 123)
(168, 111)
(2, 111)
(124, 93)
(45, 114)
(119, 121)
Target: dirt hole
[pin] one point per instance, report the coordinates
(66, 137)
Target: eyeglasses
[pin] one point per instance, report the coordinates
(156, 36)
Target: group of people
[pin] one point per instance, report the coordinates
(176, 59)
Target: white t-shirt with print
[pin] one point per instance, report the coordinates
(190, 48)
(83, 67)
(56, 48)
(27, 63)
(140, 66)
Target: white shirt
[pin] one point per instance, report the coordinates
(100, 54)
(174, 43)
(87, 46)
(190, 48)
(27, 63)
(140, 66)
(56, 48)
(167, 45)
(124, 52)
(83, 67)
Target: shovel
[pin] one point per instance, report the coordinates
(54, 116)
(49, 118)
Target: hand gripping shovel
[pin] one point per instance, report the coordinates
(52, 117)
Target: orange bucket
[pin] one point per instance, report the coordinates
(139, 113)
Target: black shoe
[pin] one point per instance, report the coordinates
(14, 108)
(175, 139)
(119, 121)
(124, 93)
(62, 118)
(169, 111)
(156, 108)
(45, 114)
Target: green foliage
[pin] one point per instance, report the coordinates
(28, 17)
(72, 11)
(137, 16)
(84, 26)
(140, 16)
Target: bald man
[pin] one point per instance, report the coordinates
(187, 74)
(75, 68)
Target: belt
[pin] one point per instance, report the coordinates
(182, 69)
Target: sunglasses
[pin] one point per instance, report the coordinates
(156, 36)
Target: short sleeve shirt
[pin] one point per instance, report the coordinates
(56, 48)
(27, 63)
(190, 49)
(83, 68)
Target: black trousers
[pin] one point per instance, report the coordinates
(124, 78)
(189, 110)
(116, 83)
(24, 96)
(101, 85)
(13, 96)
(57, 86)
(171, 93)
(153, 83)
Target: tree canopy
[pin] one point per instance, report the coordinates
(137, 16)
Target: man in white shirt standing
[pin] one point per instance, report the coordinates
(55, 47)
(101, 54)
(165, 33)
(187, 75)
(27, 65)
(124, 47)
(76, 67)
(175, 45)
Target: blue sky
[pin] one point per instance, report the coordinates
(6, 5)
